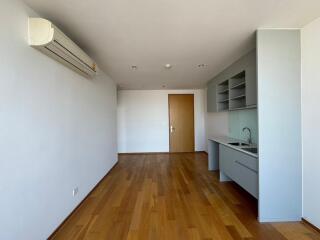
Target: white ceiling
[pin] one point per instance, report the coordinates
(184, 33)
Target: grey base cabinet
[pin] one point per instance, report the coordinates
(240, 167)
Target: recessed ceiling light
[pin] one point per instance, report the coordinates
(202, 65)
(168, 66)
(134, 67)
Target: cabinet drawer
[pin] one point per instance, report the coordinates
(246, 178)
(240, 167)
(246, 160)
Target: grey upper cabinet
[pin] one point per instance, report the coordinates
(251, 79)
(211, 97)
(235, 87)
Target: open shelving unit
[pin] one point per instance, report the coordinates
(231, 93)
(237, 86)
(223, 96)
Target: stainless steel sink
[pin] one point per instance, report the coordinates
(238, 144)
(252, 150)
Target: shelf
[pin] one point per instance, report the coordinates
(224, 83)
(238, 97)
(244, 107)
(223, 91)
(238, 81)
(223, 106)
(223, 95)
(223, 88)
(239, 85)
(224, 100)
(223, 109)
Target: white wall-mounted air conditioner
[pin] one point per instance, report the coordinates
(47, 38)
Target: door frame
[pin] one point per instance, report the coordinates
(194, 129)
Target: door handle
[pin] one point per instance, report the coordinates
(172, 129)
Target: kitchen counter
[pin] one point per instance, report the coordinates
(226, 140)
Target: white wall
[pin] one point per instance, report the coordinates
(57, 132)
(143, 122)
(310, 36)
(279, 123)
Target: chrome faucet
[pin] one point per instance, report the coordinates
(250, 138)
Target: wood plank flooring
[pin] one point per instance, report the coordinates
(172, 196)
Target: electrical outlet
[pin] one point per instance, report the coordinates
(75, 191)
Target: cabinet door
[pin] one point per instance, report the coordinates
(227, 161)
(251, 79)
(211, 97)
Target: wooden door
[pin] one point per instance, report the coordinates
(181, 122)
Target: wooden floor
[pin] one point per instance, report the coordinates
(171, 196)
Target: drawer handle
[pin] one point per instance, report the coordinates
(246, 166)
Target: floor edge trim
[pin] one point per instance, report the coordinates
(310, 225)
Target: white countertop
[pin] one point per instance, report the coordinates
(226, 140)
